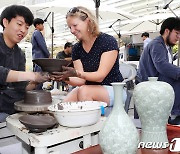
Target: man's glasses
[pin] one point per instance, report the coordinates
(74, 10)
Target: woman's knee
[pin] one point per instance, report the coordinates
(84, 93)
(72, 96)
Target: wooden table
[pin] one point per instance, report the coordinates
(92, 150)
(172, 132)
(97, 150)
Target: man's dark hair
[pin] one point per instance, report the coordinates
(170, 23)
(146, 34)
(68, 44)
(38, 21)
(16, 10)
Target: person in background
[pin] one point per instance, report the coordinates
(39, 48)
(146, 39)
(95, 58)
(66, 53)
(156, 61)
(15, 20)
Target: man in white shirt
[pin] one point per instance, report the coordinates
(146, 39)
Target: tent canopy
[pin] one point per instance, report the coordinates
(134, 16)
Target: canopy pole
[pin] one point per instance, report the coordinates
(97, 4)
(97, 14)
(52, 36)
(118, 33)
(52, 31)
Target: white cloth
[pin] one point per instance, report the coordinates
(169, 54)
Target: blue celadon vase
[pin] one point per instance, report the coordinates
(153, 100)
(119, 134)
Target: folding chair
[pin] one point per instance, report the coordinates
(129, 73)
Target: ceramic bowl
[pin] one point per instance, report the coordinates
(38, 123)
(51, 65)
(77, 114)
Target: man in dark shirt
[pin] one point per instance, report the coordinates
(15, 20)
(66, 53)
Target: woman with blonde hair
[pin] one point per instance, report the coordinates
(95, 59)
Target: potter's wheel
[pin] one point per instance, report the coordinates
(21, 106)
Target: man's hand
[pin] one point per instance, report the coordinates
(41, 77)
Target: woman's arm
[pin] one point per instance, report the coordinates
(77, 74)
(106, 63)
(75, 81)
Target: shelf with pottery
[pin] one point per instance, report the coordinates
(60, 138)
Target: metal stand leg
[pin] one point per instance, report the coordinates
(40, 150)
(87, 141)
(136, 116)
(26, 149)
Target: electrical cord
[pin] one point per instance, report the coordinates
(2, 127)
(7, 137)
